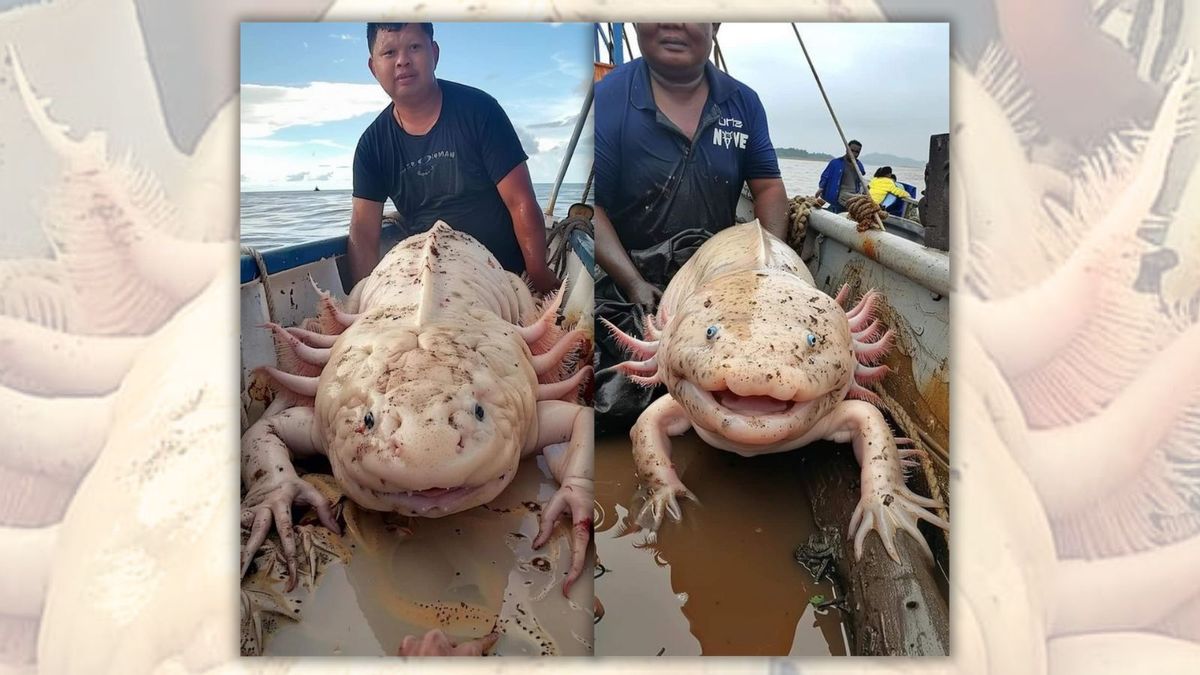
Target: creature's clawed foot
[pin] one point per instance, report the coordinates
(576, 497)
(887, 511)
(664, 499)
(271, 500)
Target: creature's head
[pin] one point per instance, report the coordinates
(426, 421)
(757, 358)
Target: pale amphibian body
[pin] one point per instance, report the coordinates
(758, 360)
(424, 393)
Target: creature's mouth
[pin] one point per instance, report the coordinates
(751, 405)
(437, 492)
(433, 499)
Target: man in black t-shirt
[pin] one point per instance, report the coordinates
(441, 151)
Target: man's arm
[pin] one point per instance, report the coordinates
(366, 221)
(770, 204)
(529, 224)
(825, 175)
(615, 261)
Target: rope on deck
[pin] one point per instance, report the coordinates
(560, 241)
(864, 211)
(263, 278)
(798, 209)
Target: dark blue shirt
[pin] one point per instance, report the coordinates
(449, 173)
(653, 181)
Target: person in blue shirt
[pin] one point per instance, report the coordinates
(839, 180)
(441, 151)
(675, 140)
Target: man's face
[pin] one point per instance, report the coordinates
(402, 61)
(855, 149)
(675, 50)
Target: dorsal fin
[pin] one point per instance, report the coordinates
(429, 252)
(54, 133)
(764, 244)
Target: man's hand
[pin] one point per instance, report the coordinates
(435, 643)
(543, 280)
(643, 293)
(615, 261)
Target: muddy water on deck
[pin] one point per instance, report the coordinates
(462, 573)
(721, 582)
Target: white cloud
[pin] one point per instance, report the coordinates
(267, 169)
(278, 143)
(267, 108)
(345, 36)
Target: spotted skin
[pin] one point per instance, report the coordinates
(758, 360)
(428, 400)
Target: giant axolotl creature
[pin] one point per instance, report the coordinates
(425, 398)
(758, 360)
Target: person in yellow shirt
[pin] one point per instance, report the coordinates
(884, 184)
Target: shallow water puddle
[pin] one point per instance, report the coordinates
(463, 573)
(721, 582)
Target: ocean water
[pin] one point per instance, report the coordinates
(274, 219)
(800, 176)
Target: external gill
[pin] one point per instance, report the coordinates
(333, 320)
(289, 349)
(868, 345)
(534, 333)
(644, 372)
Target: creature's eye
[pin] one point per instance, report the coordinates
(711, 332)
(369, 420)
(812, 340)
(478, 412)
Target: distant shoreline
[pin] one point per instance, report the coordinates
(871, 159)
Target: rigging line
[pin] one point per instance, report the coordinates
(605, 39)
(719, 56)
(826, 97)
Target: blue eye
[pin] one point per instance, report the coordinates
(711, 332)
(812, 340)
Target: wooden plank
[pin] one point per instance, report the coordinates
(891, 609)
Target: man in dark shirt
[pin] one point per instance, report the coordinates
(840, 180)
(675, 140)
(441, 151)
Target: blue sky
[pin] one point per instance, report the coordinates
(889, 83)
(307, 94)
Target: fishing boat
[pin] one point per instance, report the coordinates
(466, 573)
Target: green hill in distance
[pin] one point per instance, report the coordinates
(873, 159)
(797, 153)
(884, 159)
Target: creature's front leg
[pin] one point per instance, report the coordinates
(886, 502)
(565, 433)
(273, 485)
(652, 460)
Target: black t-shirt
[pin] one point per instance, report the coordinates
(450, 173)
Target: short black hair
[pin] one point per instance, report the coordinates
(883, 172)
(854, 142)
(374, 28)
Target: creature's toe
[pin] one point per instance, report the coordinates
(889, 513)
